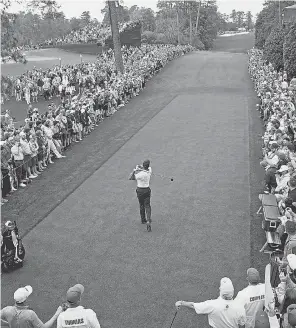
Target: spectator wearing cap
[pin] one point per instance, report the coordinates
(76, 315)
(222, 312)
(21, 316)
(252, 297)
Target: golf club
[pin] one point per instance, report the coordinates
(173, 318)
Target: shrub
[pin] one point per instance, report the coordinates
(148, 37)
(273, 47)
(290, 52)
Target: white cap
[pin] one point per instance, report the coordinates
(21, 294)
(226, 287)
(291, 258)
(283, 168)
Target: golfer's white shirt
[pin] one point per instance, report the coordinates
(143, 178)
(78, 317)
(222, 313)
(252, 298)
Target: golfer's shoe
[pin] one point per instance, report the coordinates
(144, 221)
(148, 227)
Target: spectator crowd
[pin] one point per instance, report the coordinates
(276, 107)
(89, 93)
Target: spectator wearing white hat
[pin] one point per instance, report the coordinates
(282, 179)
(222, 312)
(76, 315)
(252, 297)
(21, 316)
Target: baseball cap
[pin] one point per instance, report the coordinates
(283, 168)
(291, 258)
(253, 275)
(74, 293)
(21, 294)
(226, 287)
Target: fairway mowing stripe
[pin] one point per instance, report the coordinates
(96, 169)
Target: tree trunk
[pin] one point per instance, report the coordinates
(178, 25)
(197, 17)
(116, 36)
(190, 27)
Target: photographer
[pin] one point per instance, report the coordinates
(20, 315)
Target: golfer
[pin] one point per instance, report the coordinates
(222, 312)
(142, 175)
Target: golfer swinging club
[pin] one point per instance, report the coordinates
(142, 174)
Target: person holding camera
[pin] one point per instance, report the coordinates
(20, 315)
(74, 314)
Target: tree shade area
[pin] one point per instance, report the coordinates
(275, 37)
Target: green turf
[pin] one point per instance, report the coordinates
(193, 122)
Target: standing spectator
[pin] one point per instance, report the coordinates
(41, 150)
(34, 149)
(18, 156)
(27, 156)
(51, 146)
(21, 316)
(76, 315)
(5, 158)
(222, 312)
(252, 297)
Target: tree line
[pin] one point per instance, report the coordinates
(195, 22)
(276, 39)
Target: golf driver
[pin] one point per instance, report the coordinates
(174, 318)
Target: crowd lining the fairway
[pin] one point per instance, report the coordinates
(276, 107)
(89, 92)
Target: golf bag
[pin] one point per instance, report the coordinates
(12, 249)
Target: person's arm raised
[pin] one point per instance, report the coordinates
(37, 323)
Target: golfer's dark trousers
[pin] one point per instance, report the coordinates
(144, 195)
